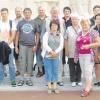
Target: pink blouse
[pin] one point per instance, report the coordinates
(84, 40)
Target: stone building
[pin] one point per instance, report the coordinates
(79, 6)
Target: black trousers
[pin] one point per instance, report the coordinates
(75, 70)
(63, 57)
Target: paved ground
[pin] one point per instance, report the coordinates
(40, 84)
(33, 95)
(39, 91)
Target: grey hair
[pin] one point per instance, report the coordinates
(85, 18)
(55, 8)
(75, 15)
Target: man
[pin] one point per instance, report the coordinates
(28, 37)
(97, 52)
(67, 18)
(40, 20)
(96, 10)
(7, 34)
(18, 13)
(55, 16)
(68, 22)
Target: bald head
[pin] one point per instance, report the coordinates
(18, 12)
(41, 11)
(54, 12)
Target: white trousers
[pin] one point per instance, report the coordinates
(86, 66)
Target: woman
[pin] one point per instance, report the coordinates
(70, 41)
(52, 45)
(86, 40)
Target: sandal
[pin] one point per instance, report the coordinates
(56, 91)
(85, 93)
(49, 91)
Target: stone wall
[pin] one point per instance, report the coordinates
(79, 6)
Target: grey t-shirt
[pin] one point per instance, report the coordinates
(27, 30)
(42, 26)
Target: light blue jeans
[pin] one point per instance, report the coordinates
(11, 68)
(51, 69)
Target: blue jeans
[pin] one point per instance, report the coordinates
(11, 68)
(51, 69)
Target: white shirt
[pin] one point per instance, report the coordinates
(4, 31)
(46, 46)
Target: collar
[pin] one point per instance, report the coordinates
(38, 17)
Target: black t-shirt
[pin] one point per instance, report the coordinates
(97, 29)
(68, 22)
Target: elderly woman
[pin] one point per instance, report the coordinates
(70, 41)
(52, 46)
(86, 40)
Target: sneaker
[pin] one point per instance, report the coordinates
(60, 83)
(97, 83)
(79, 83)
(56, 91)
(13, 83)
(21, 83)
(73, 84)
(29, 83)
(85, 93)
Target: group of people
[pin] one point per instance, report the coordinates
(52, 39)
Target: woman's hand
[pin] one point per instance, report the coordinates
(53, 54)
(86, 46)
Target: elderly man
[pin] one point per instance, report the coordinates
(18, 13)
(40, 20)
(55, 16)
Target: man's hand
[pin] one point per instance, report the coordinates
(17, 50)
(34, 49)
(75, 61)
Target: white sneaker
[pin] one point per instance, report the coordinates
(73, 84)
(80, 83)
